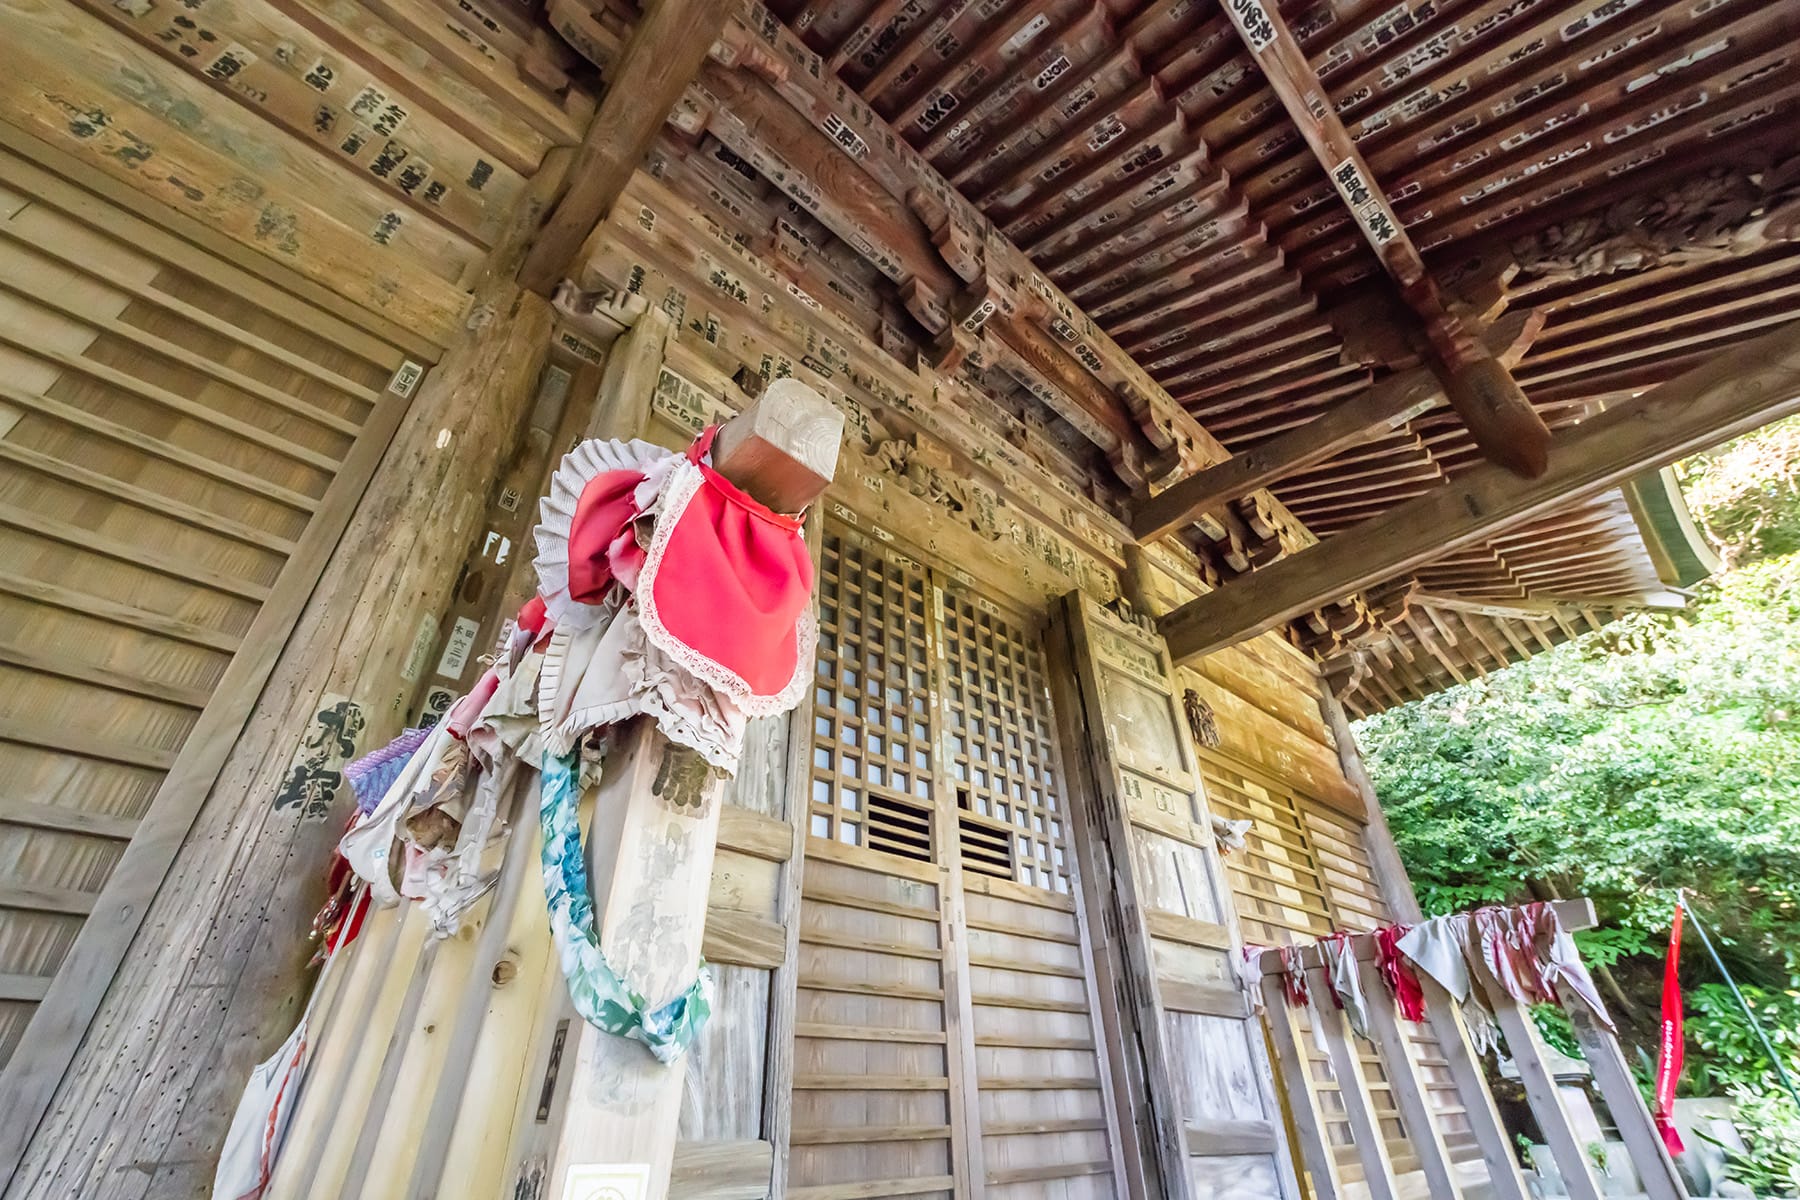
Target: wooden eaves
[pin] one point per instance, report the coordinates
(1736, 392)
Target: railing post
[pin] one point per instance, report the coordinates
(1291, 1062)
(1471, 1084)
(1649, 1156)
(1407, 1085)
(1527, 1049)
(1353, 1085)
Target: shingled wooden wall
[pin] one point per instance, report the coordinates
(237, 242)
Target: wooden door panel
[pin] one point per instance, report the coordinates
(945, 1042)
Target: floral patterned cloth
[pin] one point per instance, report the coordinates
(602, 998)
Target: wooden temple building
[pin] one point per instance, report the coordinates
(1211, 373)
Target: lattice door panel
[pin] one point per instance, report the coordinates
(998, 746)
(872, 763)
(946, 1029)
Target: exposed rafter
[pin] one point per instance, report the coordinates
(1736, 392)
(1483, 392)
(1390, 404)
(658, 62)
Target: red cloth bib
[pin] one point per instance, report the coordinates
(726, 585)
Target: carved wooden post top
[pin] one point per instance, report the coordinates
(783, 449)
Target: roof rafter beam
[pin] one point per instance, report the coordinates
(1388, 405)
(660, 59)
(1483, 392)
(1739, 390)
(974, 280)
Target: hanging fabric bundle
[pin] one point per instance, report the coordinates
(1293, 978)
(664, 591)
(1440, 947)
(1249, 973)
(1559, 961)
(603, 999)
(1397, 973)
(1339, 957)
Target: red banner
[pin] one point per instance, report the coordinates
(1670, 1052)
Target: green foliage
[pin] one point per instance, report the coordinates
(1662, 752)
(1556, 1029)
(1727, 1050)
(1770, 1165)
(1743, 492)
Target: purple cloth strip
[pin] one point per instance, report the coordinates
(374, 773)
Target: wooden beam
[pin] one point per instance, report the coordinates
(660, 59)
(1388, 405)
(1481, 389)
(1736, 392)
(1544, 608)
(1511, 610)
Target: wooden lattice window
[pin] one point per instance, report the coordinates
(997, 747)
(872, 760)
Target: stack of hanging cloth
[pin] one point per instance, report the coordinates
(664, 592)
(1523, 951)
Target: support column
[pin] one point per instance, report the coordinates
(650, 851)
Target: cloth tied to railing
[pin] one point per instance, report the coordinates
(1397, 973)
(1339, 957)
(1525, 952)
(1293, 978)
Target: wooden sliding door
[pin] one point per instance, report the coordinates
(945, 1039)
(1192, 1051)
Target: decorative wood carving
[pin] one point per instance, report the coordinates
(1202, 721)
(1726, 212)
(924, 468)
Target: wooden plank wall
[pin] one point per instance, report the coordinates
(172, 431)
(1038, 1062)
(224, 227)
(1307, 868)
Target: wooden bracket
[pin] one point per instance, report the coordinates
(963, 248)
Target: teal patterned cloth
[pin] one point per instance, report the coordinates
(603, 999)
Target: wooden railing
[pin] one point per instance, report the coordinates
(1289, 1035)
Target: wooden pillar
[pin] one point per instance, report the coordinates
(650, 849)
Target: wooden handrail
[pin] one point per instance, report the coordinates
(1611, 1075)
(1574, 914)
